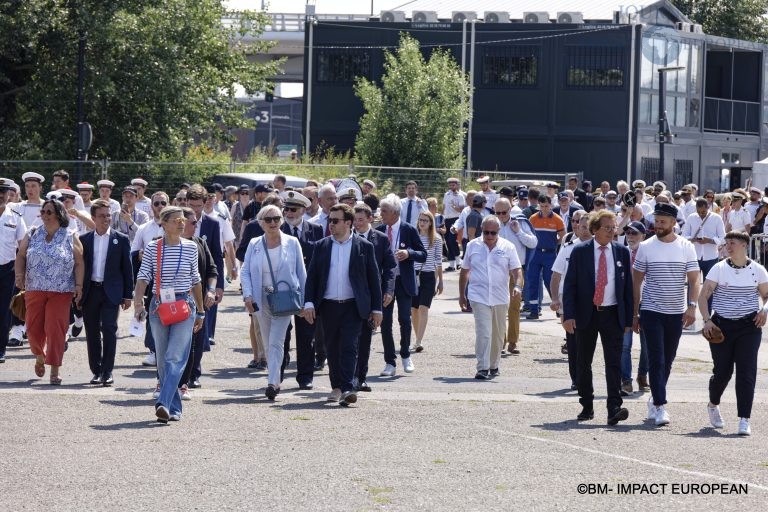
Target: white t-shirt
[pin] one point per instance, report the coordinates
(736, 295)
(666, 266)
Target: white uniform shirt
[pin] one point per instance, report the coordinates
(146, 233)
(100, 248)
(12, 230)
(561, 261)
(451, 199)
(489, 271)
(713, 228)
(31, 213)
(738, 219)
(145, 205)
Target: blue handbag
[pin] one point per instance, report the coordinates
(281, 302)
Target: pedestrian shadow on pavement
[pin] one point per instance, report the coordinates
(131, 425)
(555, 393)
(553, 360)
(298, 406)
(128, 403)
(463, 356)
(599, 423)
(250, 399)
(229, 373)
(710, 432)
(460, 380)
(242, 350)
(140, 373)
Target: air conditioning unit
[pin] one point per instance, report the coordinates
(535, 17)
(392, 16)
(424, 17)
(621, 18)
(459, 16)
(683, 27)
(496, 17)
(696, 28)
(570, 17)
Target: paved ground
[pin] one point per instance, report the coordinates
(434, 440)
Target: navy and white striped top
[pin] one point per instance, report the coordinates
(666, 266)
(188, 274)
(434, 254)
(737, 294)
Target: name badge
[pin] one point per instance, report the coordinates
(167, 295)
(9, 225)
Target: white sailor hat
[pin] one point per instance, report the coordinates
(453, 180)
(350, 193)
(484, 179)
(53, 194)
(5, 184)
(105, 183)
(67, 193)
(16, 187)
(84, 186)
(32, 176)
(369, 183)
(638, 184)
(294, 198)
(139, 181)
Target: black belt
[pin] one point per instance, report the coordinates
(12, 262)
(97, 284)
(342, 301)
(606, 308)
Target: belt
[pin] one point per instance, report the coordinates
(605, 308)
(12, 262)
(335, 301)
(97, 284)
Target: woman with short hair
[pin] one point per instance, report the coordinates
(736, 285)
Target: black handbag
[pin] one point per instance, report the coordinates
(281, 302)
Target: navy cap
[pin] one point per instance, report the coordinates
(636, 226)
(262, 188)
(506, 191)
(522, 193)
(245, 187)
(665, 209)
(563, 195)
(478, 200)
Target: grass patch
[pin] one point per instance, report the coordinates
(382, 500)
(379, 490)
(439, 461)
(501, 487)
(301, 418)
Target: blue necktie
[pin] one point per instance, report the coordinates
(410, 209)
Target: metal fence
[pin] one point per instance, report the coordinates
(758, 248)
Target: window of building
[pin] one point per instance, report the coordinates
(510, 66)
(595, 67)
(649, 167)
(342, 66)
(683, 173)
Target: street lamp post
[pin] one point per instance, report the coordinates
(665, 135)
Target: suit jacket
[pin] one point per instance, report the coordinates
(251, 231)
(118, 271)
(579, 286)
(363, 275)
(409, 240)
(205, 263)
(385, 260)
(289, 267)
(571, 210)
(310, 234)
(210, 233)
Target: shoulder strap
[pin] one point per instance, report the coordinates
(702, 225)
(269, 262)
(159, 271)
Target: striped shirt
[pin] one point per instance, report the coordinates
(666, 266)
(434, 254)
(188, 274)
(737, 294)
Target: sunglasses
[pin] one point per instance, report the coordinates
(180, 220)
(159, 203)
(334, 220)
(192, 221)
(290, 209)
(244, 193)
(270, 220)
(506, 212)
(490, 233)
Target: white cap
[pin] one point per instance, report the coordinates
(295, 198)
(16, 187)
(484, 179)
(32, 176)
(369, 183)
(105, 183)
(139, 181)
(54, 194)
(84, 186)
(66, 192)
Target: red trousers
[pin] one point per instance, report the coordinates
(47, 323)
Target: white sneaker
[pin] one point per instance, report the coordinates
(184, 392)
(408, 365)
(651, 409)
(388, 371)
(714, 416)
(156, 393)
(662, 416)
(150, 360)
(744, 429)
(17, 333)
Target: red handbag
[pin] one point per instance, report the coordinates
(169, 312)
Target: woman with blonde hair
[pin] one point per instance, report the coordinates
(429, 275)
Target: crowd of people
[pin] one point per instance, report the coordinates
(327, 267)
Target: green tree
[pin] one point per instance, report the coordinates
(417, 117)
(738, 19)
(160, 74)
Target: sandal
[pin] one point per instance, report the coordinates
(40, 369)
(55, 381)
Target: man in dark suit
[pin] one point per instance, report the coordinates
(308, 233)
(598, 299)
(407, 248)
(108, 284)
(343, 281)
(207, 229)
(385, 260)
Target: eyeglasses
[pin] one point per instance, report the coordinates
(159, 203)
(290, 208)
(423, 220)
(270, 220)
(505, 212)
(244, 192)
(47, 212)
(608, 229)
(490, 233)
(179, 220)
(334, 220)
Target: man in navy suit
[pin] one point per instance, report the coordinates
(308, 233)
(343, 283)
(107, 285)
(209, 230)
(385, 260)
(598, 299)
(407, 248)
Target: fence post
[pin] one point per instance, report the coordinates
(104, 173)
(232, 167)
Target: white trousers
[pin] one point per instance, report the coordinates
(490, 327)
(273, 333)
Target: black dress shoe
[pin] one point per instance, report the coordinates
(271, 392)
(107, 380)
(96, 379)
(76, 331)
(618, 415)
(306, 385)
(363, 386)
(195, 384)
(494, 372)
(319, 364)
(211, 341)
(586, 414)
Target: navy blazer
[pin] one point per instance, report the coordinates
(118, 271)
(579, 285)
(311, 233)
(363, 275)
(571, 210)
(409, 240)
(209, 232)
(252, 230)
(385, 260)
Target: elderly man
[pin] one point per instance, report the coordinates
(491, 261)
(565, 209)
(327, 198)
(454, 201)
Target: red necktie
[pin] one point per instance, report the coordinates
(602, 278)
(389, 235)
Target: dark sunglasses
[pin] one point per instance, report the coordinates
(290, 208)
(335, 221)
(269, 220)
(490, 233)
(160, 203)
(506, 212)
(244, 192)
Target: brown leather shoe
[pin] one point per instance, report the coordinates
(642, 383)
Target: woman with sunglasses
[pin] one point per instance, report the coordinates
(281, 252)
(174, 272)
(49, 266)
(429, 274)
(739, 219)
(709, 195)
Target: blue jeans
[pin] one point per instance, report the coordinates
(626, 356)
(662, 334)
(173, 343)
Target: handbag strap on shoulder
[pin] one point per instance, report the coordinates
(269, 262)
(159, 270)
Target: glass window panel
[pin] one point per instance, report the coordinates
(593, 67)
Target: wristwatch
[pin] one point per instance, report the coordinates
(691, 304)
(200, 314)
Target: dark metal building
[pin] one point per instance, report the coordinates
(569, 97)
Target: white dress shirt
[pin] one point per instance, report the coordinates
(146, 233)
(419, 205)
(489, 271)
(100, 248)
(321, 219)
(713, 228)
(339, 286)
(609, 298)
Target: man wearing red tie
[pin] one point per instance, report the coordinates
(598, 299)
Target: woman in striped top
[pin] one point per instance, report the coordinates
(429, 274)
(180, 280)
(736, 286)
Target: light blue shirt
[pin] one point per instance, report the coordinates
(339, 287)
